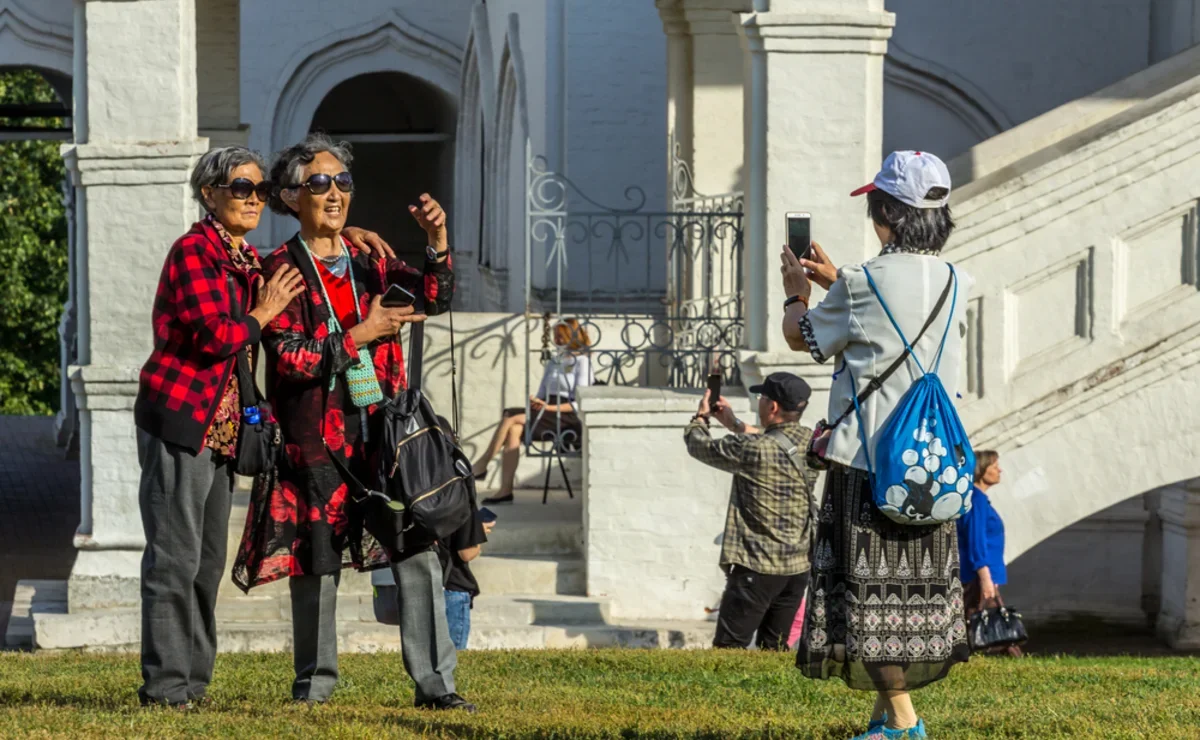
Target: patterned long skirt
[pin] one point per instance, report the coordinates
(885, 606)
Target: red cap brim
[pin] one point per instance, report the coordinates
(864, 189)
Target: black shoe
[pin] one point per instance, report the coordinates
(179, 706)
(449, 701)
(498, 500)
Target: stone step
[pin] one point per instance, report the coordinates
(540, 580)
(119, 630)
(524, 527)
(524, 574)
(497, 609)
(33, 597)
(505, 610)
(531, 475)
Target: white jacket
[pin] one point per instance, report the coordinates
(851, 327)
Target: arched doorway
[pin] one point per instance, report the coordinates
(402, 131)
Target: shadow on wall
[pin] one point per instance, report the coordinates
(1074, 125)
(1106, 569)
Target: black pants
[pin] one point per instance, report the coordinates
(754, 602)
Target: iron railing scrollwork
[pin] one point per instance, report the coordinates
(658, 293)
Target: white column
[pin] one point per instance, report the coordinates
(813, 133)
(218, 54)
(1179, 614)
(704, 89)
(135, 145)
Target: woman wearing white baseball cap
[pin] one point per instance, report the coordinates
(885, 605)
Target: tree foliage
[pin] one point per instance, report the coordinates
(33, 257)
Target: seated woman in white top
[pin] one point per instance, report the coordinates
(885, 604)
(553, 408)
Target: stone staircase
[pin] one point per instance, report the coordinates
(1081, 229)
(532, 574)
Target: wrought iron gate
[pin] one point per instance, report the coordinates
(657, 293)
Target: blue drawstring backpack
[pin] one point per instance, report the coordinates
(924, 465)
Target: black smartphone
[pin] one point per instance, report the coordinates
(714, 389)
(799, 234)
(397, 297)
(486, 515)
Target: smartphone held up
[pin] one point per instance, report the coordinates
(799, 234)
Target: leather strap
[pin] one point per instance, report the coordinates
(878, 381)
(248, 394)
(793, 454)
(416, 352)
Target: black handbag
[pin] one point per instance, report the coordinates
(259, 437)
(997, 627)
(421, 489)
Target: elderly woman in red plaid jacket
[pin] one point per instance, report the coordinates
(333, 356)
(188, 414)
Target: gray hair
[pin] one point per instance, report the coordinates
(287, 167)
(216, 165)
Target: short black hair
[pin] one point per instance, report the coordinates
(915, 229)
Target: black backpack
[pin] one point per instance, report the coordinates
(421, 486)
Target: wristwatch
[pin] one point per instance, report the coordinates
(795, 299)
(431, 253)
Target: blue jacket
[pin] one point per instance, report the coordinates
(981, 541)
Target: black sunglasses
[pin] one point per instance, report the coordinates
(319, 184)
(241, 189)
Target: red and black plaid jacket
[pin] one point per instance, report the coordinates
(195, 339)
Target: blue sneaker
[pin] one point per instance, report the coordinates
(879, 731)
(875, 724)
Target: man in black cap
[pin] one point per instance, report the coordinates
(772, 512)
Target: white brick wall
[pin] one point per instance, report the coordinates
(653, 516)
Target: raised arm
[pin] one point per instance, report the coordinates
(438, 276)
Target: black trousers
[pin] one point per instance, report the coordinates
(754, 602)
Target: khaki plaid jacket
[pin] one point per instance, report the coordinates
(767, 528)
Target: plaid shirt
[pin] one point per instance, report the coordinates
(767, 528)
(195, 340)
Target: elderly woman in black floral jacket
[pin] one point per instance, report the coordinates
(334, 356)
(188, 414)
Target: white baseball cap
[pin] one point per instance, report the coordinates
(909, 177)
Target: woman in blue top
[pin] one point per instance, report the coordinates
(981, 543)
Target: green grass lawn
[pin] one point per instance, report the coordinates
(607, 693)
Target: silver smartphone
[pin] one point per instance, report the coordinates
(799, 233)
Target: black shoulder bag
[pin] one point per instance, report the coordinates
(259, 437)
(815, 454)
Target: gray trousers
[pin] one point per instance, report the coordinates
(425, 645)
(429, 655)
(184, 501)
(314, 635)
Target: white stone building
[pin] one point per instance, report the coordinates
(1069, 124)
